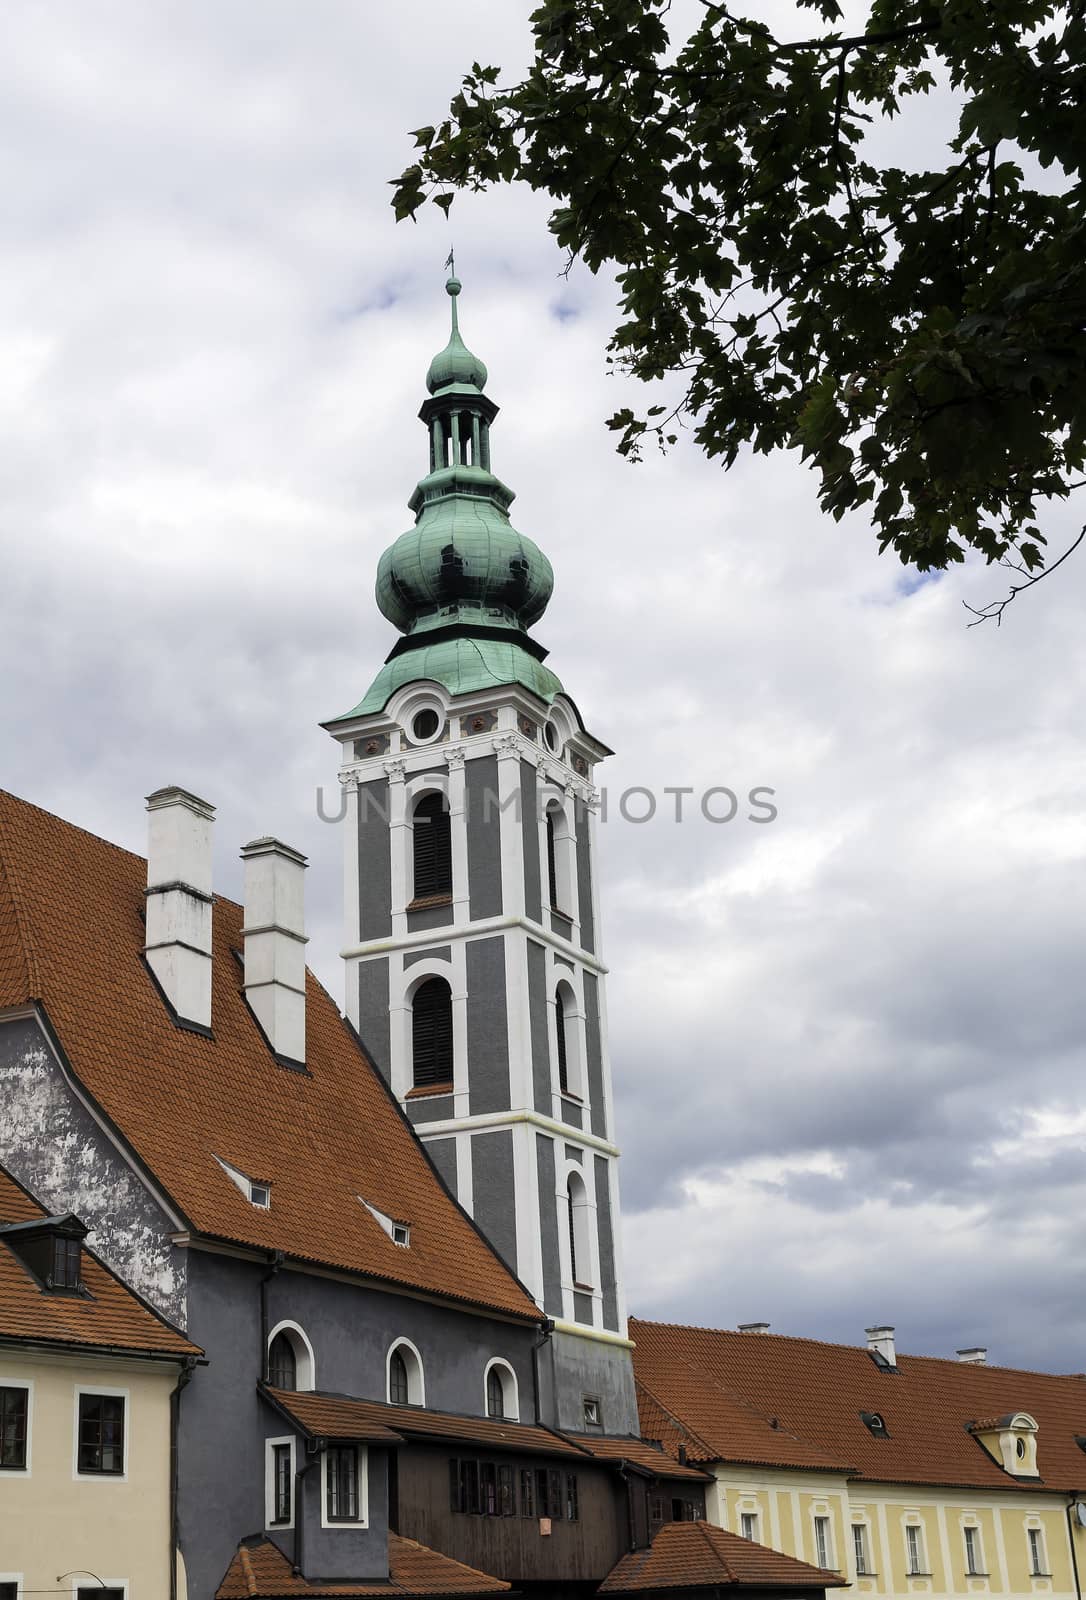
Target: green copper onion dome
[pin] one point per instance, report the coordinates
(455, 364)
(462, 586)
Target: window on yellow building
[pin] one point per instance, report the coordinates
(748, 1524)
(1038, 1562)
(914, 1550)
(859, 1549)
(974, 1560)
(823, 1546)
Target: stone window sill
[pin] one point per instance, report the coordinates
(426, 1090)
(427, 901)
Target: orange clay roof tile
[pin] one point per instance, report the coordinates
(694, 1555)
(71, 935)
(110, 1316)
(312, 1410)
(260, 1571)
(621, 1448)
(715, 1381)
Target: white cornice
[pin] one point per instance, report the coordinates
(475, 930)
(506, 1119)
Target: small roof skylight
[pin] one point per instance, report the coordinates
(256, 1190)
(398, 1230)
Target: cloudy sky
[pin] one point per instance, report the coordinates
(847, 1046)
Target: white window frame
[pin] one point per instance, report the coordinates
(117, 1393)
(269, 1480)
(510, 1388)
(971, 1536)
(748, 1519)
(305, 1361)
(9, 1381)
(920, 1569)
(821, 1521)
(861, 1550)
(363, 1518)
(416, 1372)
(12, 1577)
(1038, 1534)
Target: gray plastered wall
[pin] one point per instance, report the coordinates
(442, 1153)
(374, 1027)
(537, 1020)
(582, 818)
(572, 1367)
(484, 825)
(374, 861)
(53, 1146)
(606, 1232)
(488, 1029)
(594, 1051)
(548, 1226)
(494, 1191)
(529, 822)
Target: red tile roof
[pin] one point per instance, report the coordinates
(728, 1389)
(330, 1416)
(694, 1555)
(71, 933)
(110, 1317)
(260, 1571)
(653, 1459)
(416, 1422)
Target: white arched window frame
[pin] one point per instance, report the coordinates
(416, 1377)
(497, 1368)
(569, 1022)
(305, 1362)
(558, 817)
(415, 983)
(581, 1252)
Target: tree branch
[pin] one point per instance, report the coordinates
(994, 610)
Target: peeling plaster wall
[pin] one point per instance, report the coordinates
(56, 1149)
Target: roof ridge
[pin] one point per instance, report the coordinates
(247, 1570)
(857, 1349)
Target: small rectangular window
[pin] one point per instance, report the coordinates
(656, 1509)
(488, 1488)
(914, 1550)
(66, 1263)
(572, 1508)
(822, 1542)
(101, 1433)
(1038, 1566)
(555, 1506)
(593, 1411)
(401, 1234)
(281, 1483)
(455, 1497)
(9, 1591)
(342, 1483)
(96, 1593)
(973, 1563)
(748, 1524)
(527, 1492)
(507, 1492)
(14, 1406)
(543, 1504)
(859, 1548)
(260, 1195)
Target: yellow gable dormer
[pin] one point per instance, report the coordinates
(1011, 1440)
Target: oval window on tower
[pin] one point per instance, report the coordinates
(550, 734)
(425, 725)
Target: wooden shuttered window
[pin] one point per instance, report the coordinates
(433, 847)
(432, 1034)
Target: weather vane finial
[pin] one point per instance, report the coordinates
(451, 264)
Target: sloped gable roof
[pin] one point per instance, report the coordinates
(109, 1316)
(260, 1571)
(695, 1555)
(71, 936)
(712, 1380)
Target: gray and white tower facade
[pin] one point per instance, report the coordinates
(475, 975)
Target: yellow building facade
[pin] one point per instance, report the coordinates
(62, 1528)
(90, 1379)
(909, 1476)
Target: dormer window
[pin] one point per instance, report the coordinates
(256, 1190)
(401, 1234)
(1011, 1440)
(52, 1249)
(398, 1230)
(875, 1425)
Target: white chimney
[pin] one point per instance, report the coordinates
(881, 1342)
(275, 942)
(754, 1327)
(178, 947)
(975, 1356)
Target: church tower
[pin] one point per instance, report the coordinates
(472, 933)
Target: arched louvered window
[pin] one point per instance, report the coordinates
(433, 847)
(563, 1053)
(552, 864)
(399, 1390)
(282, 1363)
(432, 1034)
(495, 1394)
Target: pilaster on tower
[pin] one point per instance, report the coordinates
(471, 935)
